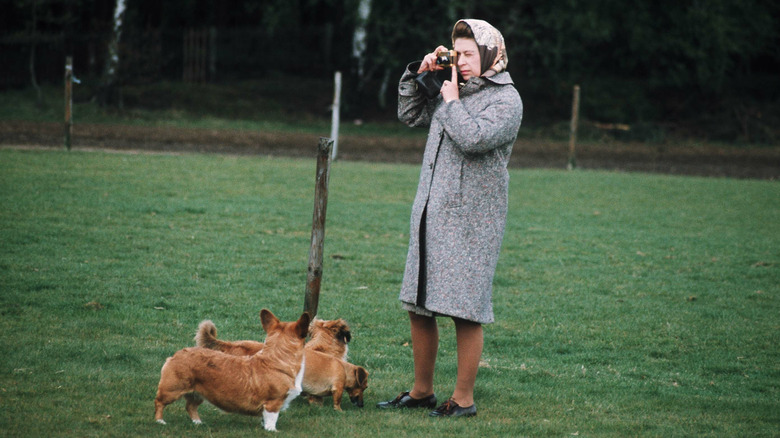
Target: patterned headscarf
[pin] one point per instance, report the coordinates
(490, 42)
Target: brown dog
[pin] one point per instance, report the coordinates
(326, 371)
(264, 383)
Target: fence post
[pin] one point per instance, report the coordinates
(575, 115)
(334, 123)
(314, 276)
(68, 100)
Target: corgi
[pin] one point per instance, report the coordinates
(263, 383)
(327, 373)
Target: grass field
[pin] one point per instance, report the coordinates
(626, 304)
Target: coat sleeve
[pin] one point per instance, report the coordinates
(492, 127)
(414, 108)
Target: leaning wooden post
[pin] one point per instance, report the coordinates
(68, 100)
(314, 278)
(575, 115)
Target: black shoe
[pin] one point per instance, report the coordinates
(451, 409)
(406, 401)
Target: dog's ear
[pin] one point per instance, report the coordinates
(268, 319)
(340, 330)
(302, 325)
(314, 323)
(344, 336)
(361, 376)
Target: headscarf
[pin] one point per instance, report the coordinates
(490, 42)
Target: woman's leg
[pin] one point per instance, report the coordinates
(470, 340)
(425, 346)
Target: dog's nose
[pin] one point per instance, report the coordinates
(357, 401)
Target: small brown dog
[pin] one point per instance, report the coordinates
(327, 371)
(264, 383)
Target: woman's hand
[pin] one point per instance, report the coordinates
(449, 89)
(429, 62)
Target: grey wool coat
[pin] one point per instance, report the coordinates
(463, 193)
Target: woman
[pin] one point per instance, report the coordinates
(459, 212)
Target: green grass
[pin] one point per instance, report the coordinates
(626, 304)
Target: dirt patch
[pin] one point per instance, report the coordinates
(708, 160)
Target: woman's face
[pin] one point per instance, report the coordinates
(468, 58)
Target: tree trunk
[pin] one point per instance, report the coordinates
(359, 37)
(33, 45)
(109, 93)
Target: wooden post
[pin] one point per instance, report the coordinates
(314, 278)
(68, 100)
(334, 123)
(575, 115)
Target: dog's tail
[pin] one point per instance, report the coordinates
(206, 336)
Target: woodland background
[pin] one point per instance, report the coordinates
(665, 69)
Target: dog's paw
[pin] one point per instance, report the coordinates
(269, 420)
(161, 421)
(197, 422)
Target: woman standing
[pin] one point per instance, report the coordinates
(459, 212)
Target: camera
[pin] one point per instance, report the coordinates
(447, 58)
(429, 83)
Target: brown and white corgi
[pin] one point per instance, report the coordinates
(261, 383)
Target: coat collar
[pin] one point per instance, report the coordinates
(502, 78)
(474, 84)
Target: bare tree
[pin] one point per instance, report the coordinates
(109, 92)
(359, 38)
(33, 46)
